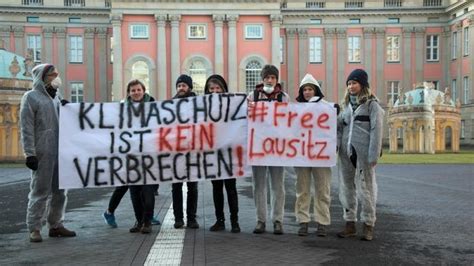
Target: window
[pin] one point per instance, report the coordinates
(75, 49)
(196, 31)
(393, 20)
(454, 45)
(392, 3)
(393, 48)
(432, 2)
(32, 2)
(315, 50)
(353, 4)
(281, 50)
(198, 72)
(315, 4)
(77, 92)
(393, 91)
(75, 3)
(32, 19)
(466, 89)
(111, 50)
(139, 31)
(34, 43)
(354, 20)
(315, 21)
(399, 133)
(140, 72)
(74, 20)
(435, 84)
(454, 90)
(354, 49)
(252, 75)
(253, 32)
(463, 129)
(432, 48)
(466, 40)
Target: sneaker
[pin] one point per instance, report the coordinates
(61, 232)
(109, 219)
(192, 224)
(259, 228)
(178, 224)
(349, 230)
(277, 228)
(368, 233)
(155, 221)
(146, 228)
(235, 228)
(218, 226)
(322, 230)
(35, 236)
(303, 231)
(136, 228)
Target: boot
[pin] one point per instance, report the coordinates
(349, 231)
(179, 223)
(61, 232)
(368, 233)
(277, 228)
(192, 224)
(218, 226)
(136, 228)
(260, 228)
(35, 236)
(146, 228)
(321, 231)
(235, 227)
(303, 231)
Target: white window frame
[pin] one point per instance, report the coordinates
(432, 50)
(454, 89)
(76, 49)
(315, 51)
(253, 73)
(77, 97)
(145, 34)
(393, 91)
(35, 45)
(282, 49)
(454, 45)
(249, 35)
(111, 49)
(463, 129)
(393, 48)
(465, 84)
(203, 28)
(352, 51)
(466, 41)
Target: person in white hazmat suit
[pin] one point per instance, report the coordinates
(360, 143)
(39, 123)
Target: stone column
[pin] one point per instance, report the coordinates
(341, 63)
(47, 55)
(459, 56)
(329, 35)
(175, 50)
(407, 33)
(162, 69)
(419, 52)
(471, 80)
(218, 44)
(18, 35)
(117, 87)
(291, 37)
(276, 23)
(232, 66)
(368, 36)
(61, 57)
(446, 46)
(379, 63)
(89, 85)
(302, 56)
(102, 91)
(5, 36)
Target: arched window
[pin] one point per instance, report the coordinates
(141, 72)
(198, 72)
(252, 75)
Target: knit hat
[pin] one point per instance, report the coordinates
(186, 79)
(360, 76)
(269, 70)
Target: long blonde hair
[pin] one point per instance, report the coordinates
(364, 95)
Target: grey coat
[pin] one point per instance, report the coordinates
(361, 129)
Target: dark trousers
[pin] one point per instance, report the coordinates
(143, 201)
(218, 196)
(191, 204)
(117, 196)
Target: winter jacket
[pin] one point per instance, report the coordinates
(259, 95)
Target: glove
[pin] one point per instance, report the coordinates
(338, 108)
(32, 162)
(64, 102)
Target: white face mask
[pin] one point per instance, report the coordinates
(56, 83)
(268, 88)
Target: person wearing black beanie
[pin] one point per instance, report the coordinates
(359, 138)
(184, 87)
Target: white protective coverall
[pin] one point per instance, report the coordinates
(359, 137)
(39, 135)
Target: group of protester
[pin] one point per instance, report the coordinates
(359, 142)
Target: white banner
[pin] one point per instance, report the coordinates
(189, 139)
(292, 134)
